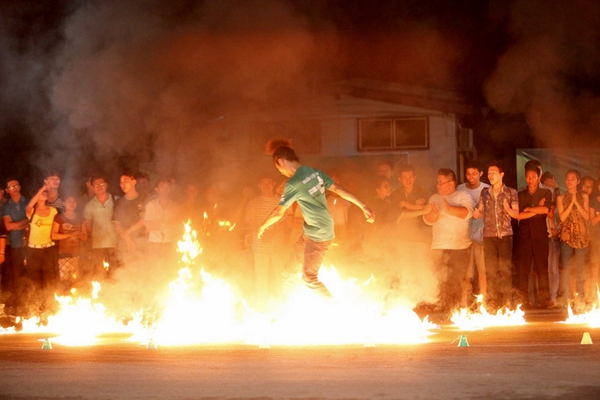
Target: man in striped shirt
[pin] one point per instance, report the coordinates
(269, 250)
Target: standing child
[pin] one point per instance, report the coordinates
(68, 230)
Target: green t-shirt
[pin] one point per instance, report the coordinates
(307, 187)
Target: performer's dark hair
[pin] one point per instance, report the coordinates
(281, 149)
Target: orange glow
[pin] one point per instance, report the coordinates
(467, 320)
(200, 308)
(590, 318)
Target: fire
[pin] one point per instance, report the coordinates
(308, 319)
(467, 320)
(105, 265)
(591, 318)
(200, 308)
(226, 225)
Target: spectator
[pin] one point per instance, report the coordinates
(473, 187)
(128, 220)
(411, 202)
(587, 185)
(86, 196)
(269, 251)
(549, 181)
(594, 245)
(52, 181)
(69, 231)
(42, 266)
(98, 214)
(16, 222)
(532, 237)
(574, 213)
(383, 207)
(449, 214)
(497, 233)
(142, 186)
(162, 223)
(385, 169)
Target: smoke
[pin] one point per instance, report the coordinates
(550, 72)
(120, 85)
(165, 86)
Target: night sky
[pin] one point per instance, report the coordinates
(86, 84)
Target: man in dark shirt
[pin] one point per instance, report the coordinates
(15, 220)
(532, 236)
(410, 201)
(128, 220)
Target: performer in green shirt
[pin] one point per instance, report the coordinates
(307, 186)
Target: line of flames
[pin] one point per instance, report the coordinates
(202, 309)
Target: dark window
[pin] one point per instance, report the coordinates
(393, 134)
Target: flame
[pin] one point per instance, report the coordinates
(105, 264)
(467, 320)
(591, 317)
(226, 225)
(200, 308)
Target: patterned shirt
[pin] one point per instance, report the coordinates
(496, 220)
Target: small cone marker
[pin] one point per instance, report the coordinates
(151, 345)
(46, 345)
(463, 341)
(586, 339)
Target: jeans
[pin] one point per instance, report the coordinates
(553, 272)
(311, 254)
(533, 250)
(498, 263)
(567, 252)
(478, 260)
(451, 269)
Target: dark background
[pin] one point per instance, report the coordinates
(89, 85)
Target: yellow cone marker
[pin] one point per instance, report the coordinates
(151, 345)
(463, 342)
(586, 339)
(46, 345)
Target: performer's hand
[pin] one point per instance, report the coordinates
(261, 231)
(369, 214)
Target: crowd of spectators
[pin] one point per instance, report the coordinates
(537, 246)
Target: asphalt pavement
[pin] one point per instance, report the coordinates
(543, 359)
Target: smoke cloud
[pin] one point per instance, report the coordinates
(114, 85)
(550, 72)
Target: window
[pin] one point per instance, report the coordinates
(393, 133)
